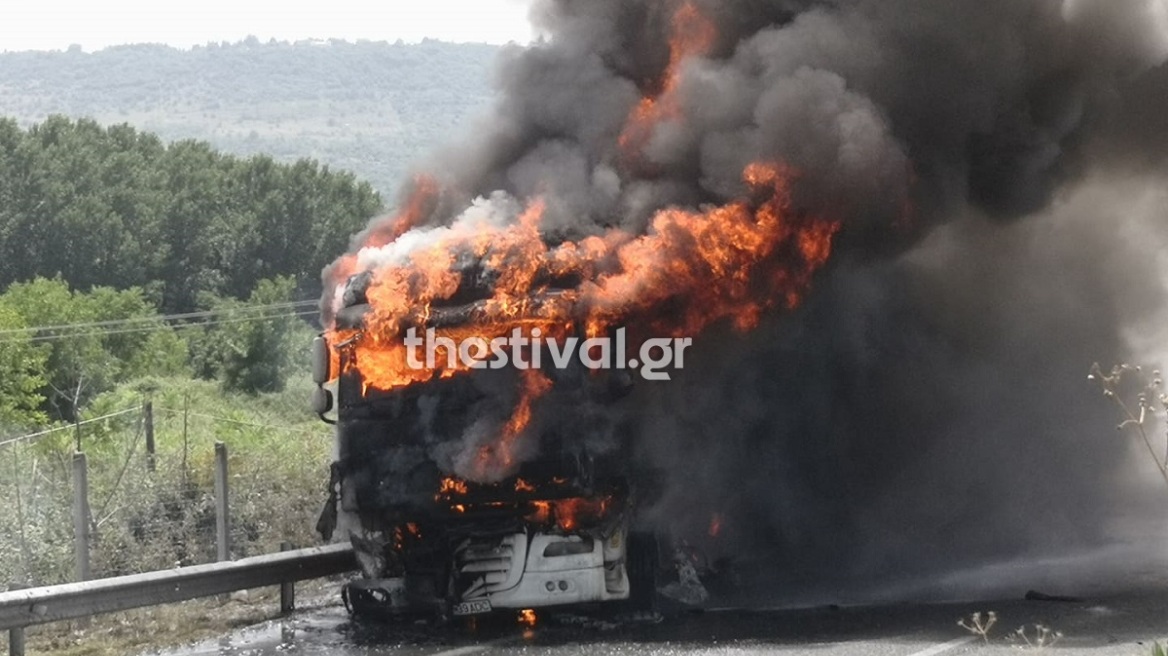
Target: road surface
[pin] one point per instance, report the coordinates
(1121, 624)
(1120, 608)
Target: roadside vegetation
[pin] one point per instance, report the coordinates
(145, 519)
(164, 290)
(1142, 403)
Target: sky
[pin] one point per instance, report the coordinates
(96, 24)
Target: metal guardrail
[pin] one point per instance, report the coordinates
(33, 606)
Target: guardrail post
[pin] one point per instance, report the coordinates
(16, 642)
(287, 588)
(222, 520)
(81, 515)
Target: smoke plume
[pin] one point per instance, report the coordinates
(997, 170)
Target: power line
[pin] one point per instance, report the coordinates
(164, 317)
(70, 426)
(147, 329)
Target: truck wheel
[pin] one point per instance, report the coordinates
(642, 563)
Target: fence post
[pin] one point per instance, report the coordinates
(222, 520)
(81, 515)
(149, 421)
(16, 642)
(287, 589)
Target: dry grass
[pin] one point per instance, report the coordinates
(980, 625)
(1137, 417)
(145, 520)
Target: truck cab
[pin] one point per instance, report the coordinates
(551, 531)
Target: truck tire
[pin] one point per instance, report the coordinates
(642, 562)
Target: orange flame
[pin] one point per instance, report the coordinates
(569, 513)
(542, 513)
(450, 487)
(523, 486)
(693, 268)
(500, 455)
(528, 618)
(715, 525)
(728, 262)
(418, 205)
(692, 35)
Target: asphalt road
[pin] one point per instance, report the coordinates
(1121, 623)
(1120, 608)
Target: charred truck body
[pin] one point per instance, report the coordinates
(458, 495)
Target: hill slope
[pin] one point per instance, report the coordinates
(371, 108)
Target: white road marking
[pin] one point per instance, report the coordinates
(464, 651)
(944, 647)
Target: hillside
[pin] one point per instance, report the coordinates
(372, 108)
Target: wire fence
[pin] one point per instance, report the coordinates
(151, 501)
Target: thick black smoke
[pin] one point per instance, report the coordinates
(998, 166)
(961, 102)
(928, 414)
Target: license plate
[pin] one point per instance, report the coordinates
(472, 608)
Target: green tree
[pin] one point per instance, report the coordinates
(115, 207)
(142, 346)
(23, 365)
(78, 366)
(93, 341)
(250, 350)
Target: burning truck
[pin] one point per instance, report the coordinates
(552, 530)
(677, 168)
(472, 487)
(466, 487)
